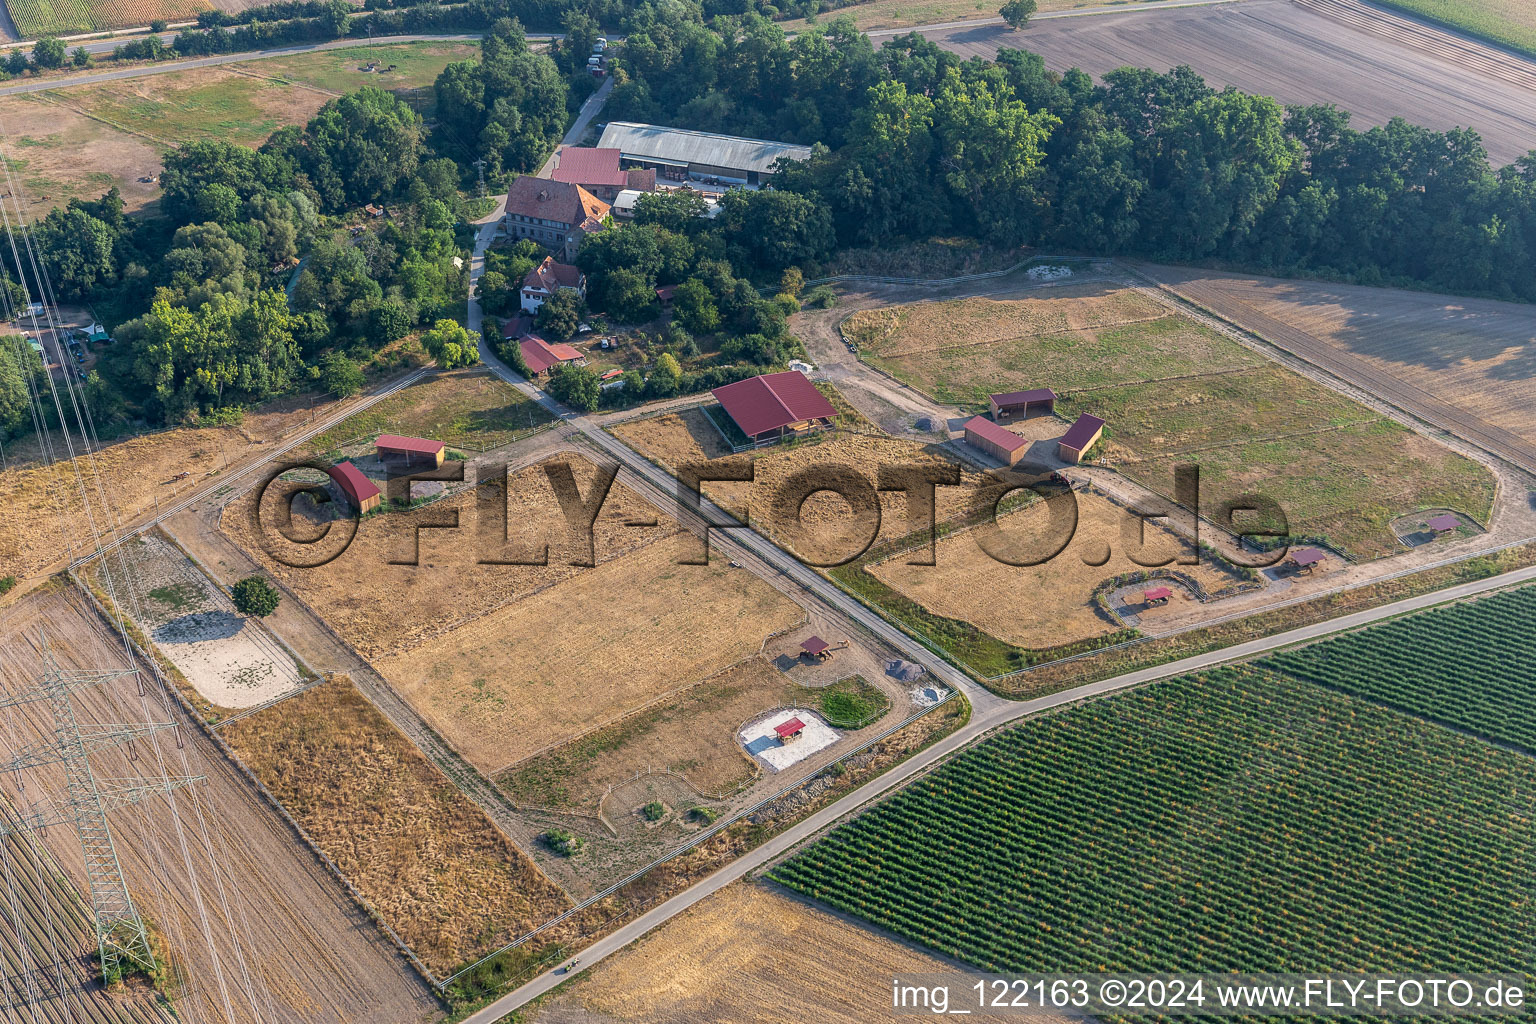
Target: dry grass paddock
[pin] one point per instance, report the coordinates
(383, 609)
(604, 642)
(831, 529)
(45, 523)
(1037, 606)
(427, 859)
(746, 955)
(692, 734)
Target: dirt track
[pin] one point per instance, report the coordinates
(309, 952)
(1283, 49)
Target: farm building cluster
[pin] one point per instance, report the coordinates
(990, 436)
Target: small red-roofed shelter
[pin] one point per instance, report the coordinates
(1157, 595)
(816, 647)
(789, 731)
(410, 450)
(999, 442)
(361, 491)
(1019, 405)
(1079, 438)
(1306, 559)
(1444, 524)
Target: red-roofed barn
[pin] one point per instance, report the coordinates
(773, 405)
(409, 450)
(362, 492)
(541, 356)
(999, 442)
(1079, 438)
(1019, 405)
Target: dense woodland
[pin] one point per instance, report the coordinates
(910, 142)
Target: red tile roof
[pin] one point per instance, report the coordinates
(641, 179)
(610, 374)
(408, 445)
(516, 327)
(1307, 556)
(353, 483)
(789, 728)
(1157, 594)
(557, 201)
(815, 645)
(666, 291)
(1080, 434)
(550, 275)
(1021, 397)
(1445, 522)
(581, 165)
(773, 400)
(540, 355)
(989, 431)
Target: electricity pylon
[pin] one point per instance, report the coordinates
(120, 931)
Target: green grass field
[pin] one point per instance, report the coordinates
(1174, 391)
(1510, 22)
(475, 410)
(1236, 820)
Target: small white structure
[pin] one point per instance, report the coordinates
(801, 365)
(761, 738)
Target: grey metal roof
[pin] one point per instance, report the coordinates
(681, 146)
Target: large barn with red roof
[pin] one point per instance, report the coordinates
(775, 405)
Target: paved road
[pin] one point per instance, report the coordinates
(981, 723)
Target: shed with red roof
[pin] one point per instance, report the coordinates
(999, 442)
(774, 405)
(1444, 524)
(1157, 595)
(361, 491)
(1306, 559)
(1079, 438)
(789, 731)
(1019, 405)
(410, 450)
(541, 356)
(816, 647)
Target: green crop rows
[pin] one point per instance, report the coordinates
(1238, 820)
(37, 18)
(1470, 666)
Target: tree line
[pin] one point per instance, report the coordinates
(915, 141)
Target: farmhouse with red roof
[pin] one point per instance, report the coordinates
(598, 171)
(775, 405)
(542, 357)
(549, 277)
(555, 214)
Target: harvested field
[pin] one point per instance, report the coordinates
(898, 14)
(572, 658)
(691, 734)
(1175, 391)
(49, 939)
(832, 530)
(1467, 365)
(427, 859)
(383, 609)
(231, 660)
(745, 955)
(46, 525)
(464, 409)
(1282, 49)
(309, 950)
(82, 140)
(1510, 22)
(1046, 605)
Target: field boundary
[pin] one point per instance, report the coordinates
(650, 770)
